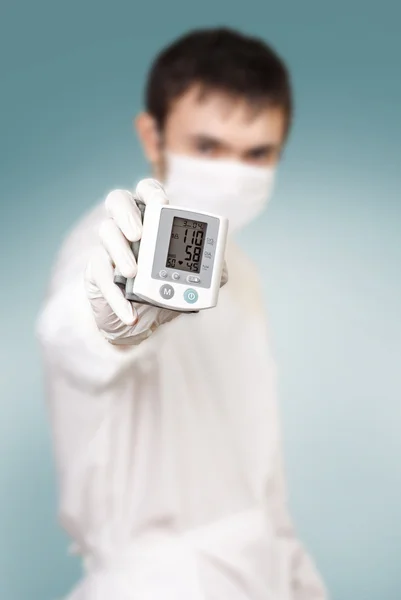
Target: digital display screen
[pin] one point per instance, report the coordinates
(187, 241)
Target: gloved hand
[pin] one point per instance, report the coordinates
(123, 322)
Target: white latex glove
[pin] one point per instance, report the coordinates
(120, 321)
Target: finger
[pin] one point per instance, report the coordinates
(224, 275)
(121, 206)
(151, 191)
(101, 274)
(118, 248)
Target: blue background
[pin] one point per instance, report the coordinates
(71, 78)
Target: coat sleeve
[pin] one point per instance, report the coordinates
(305, 581)
(71, 343)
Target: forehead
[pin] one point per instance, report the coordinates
(218, 115)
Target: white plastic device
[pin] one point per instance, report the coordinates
(180, 259)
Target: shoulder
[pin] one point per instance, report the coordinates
(240, 265)
(244, 280)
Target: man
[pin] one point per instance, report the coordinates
(165, 425)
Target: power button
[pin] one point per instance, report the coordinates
(190, 296)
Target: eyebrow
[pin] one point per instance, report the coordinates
(209, 139)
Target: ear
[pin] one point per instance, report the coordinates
(146, 129)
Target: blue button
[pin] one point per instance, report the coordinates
(190, 296)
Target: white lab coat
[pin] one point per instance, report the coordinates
(169, 453)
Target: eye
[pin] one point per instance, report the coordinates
(206, 147)
(260, 154)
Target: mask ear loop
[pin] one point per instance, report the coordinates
(162, 166)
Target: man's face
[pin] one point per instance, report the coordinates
(215, 126)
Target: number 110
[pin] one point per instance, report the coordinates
(197, 237)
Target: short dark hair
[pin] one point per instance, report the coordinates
(218, 59)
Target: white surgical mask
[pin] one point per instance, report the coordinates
(226, 188)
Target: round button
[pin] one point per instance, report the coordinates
(166, 291)
(163, 273)
(176, 276)
(190, 296)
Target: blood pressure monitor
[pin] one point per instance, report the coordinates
(180, 259)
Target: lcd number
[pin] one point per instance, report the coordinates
(186, 245)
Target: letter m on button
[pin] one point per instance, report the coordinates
(167, 291)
